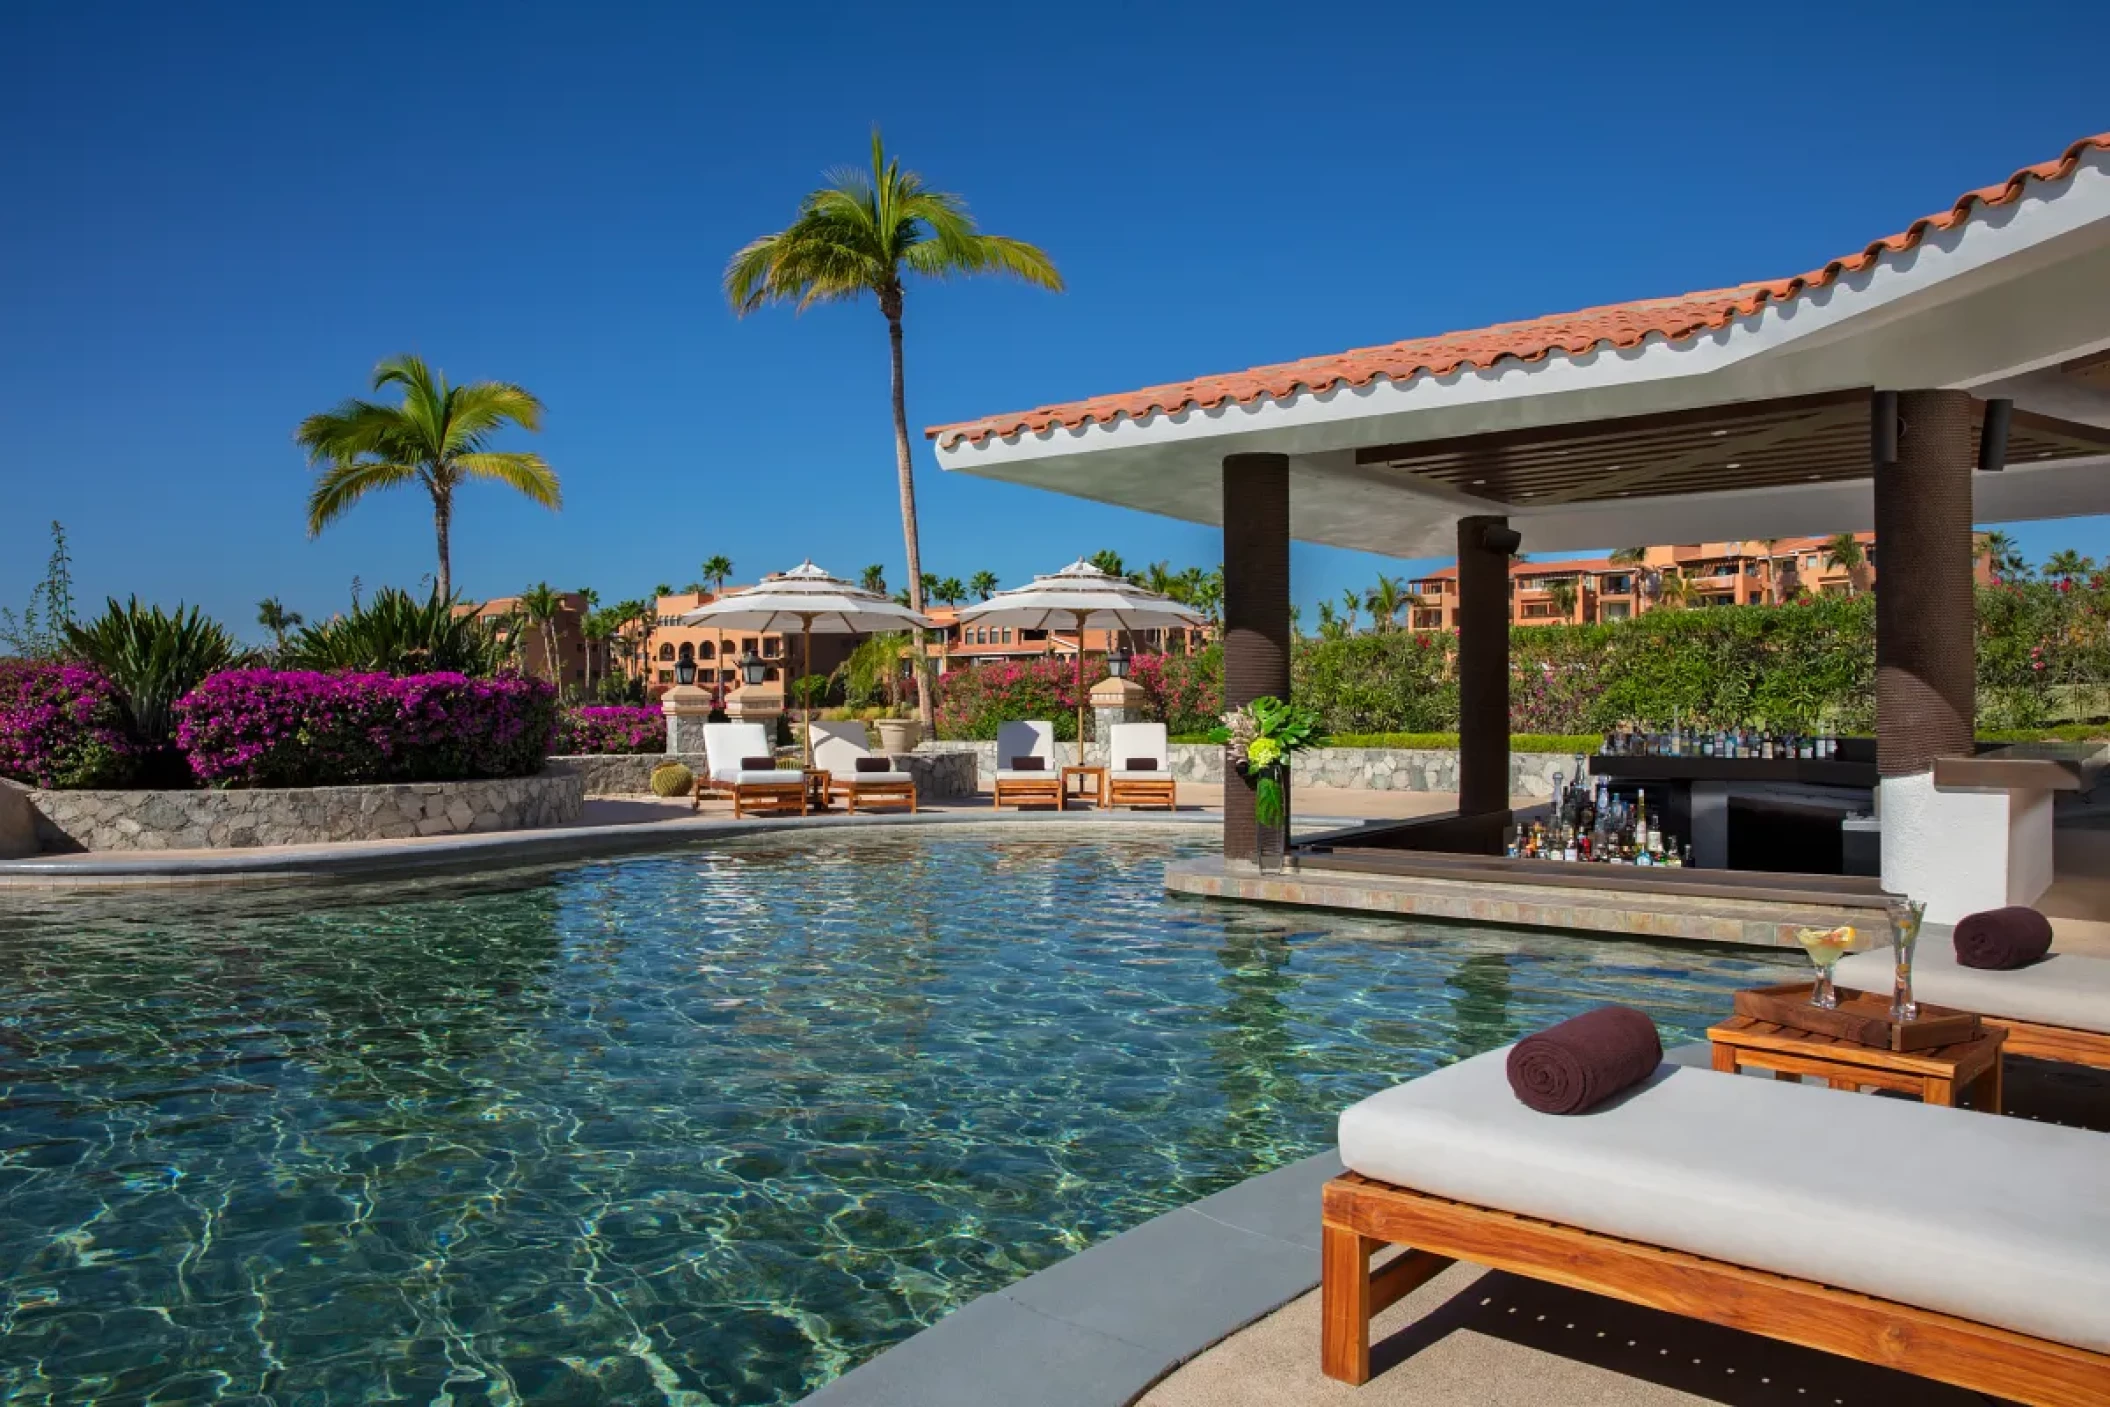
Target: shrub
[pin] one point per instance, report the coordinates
(672, 779)
(61, 725)
(975, 699)
(1394, 682)
(266, 728)
(392, 633)
(152, 659)
(610, 730)
(1183, 692)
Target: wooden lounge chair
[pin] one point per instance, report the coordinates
(837, 749)
(1016, 786)
(1971, 1250)
(725, 747)
(1129, 785)
(2057, 1009)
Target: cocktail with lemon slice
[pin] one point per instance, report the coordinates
(1825, 947)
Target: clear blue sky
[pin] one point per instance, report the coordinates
(218, 217)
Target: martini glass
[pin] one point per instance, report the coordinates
(1825, 947)
(1905, 915)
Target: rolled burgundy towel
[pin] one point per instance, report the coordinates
(1029, 764)
(1585, 1060)
(1142, 764)
(2000, 939)
(875, 764)
(758, 764)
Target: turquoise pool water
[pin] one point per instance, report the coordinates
(708, 1127)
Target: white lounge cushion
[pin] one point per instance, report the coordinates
(867, 778)
(1122, 774)
(2000, 1221)
(1126, 740)
(838, 745)
(780, 775)
(1025, 739)
(1010, 774)
(2065, 989)
(725, 744)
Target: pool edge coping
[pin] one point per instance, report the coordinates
(1089, 1330)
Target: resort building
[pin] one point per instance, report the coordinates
(506, 615)
(1593, 590)
(716, 653)
(982, 644)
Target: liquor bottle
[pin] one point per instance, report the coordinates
(1671, 857)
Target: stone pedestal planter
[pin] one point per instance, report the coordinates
(898, 734)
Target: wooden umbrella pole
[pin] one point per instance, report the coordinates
(1080, 690)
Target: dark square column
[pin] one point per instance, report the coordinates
(1256, 612)
(1925, 624)
(1483, 667)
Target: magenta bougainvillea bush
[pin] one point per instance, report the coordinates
(61, 725)
(278, 728)
(610, 729)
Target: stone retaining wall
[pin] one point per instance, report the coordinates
(201, 820)
(1354, 768)
(940, 776)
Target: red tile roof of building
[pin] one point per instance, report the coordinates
(1615, 325)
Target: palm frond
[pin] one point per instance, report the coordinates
(347, 481)
(352, 429)
(475, 410)
(527, 474)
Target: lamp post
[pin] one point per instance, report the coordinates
(685, 672)
(1118, 661)
(752, 670)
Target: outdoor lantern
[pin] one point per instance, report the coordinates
(751, 667)
(685, 672)
(1117, 660)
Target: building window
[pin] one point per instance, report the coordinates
(770, 674)
(1007, 635)
(706, 650)
(726, 676)
(1617, 610)
(666, 676)
(666, 652)
(688, 651)
(772, 646)
(747, 646)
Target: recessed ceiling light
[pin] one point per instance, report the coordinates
(1815, 477)
(1531, 493)
(1717, 434)
(1734, 464)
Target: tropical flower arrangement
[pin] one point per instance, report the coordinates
(1261, 737)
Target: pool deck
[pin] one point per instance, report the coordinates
(1214, 1305)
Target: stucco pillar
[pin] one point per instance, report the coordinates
(1256, 613)
(1483, 666)
(1113, 701)
(687, 709)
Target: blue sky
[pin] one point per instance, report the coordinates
(219, 217)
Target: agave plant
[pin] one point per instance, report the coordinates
(394, 633)
(153, 658)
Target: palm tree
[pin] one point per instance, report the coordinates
(274, 617)
(439, 437)
(2001, 554)
(598, 628)
(541, 606)
(1843, 550)
(1560, 593)
(982, 584)
(874, 579)
(866, 232)
(1350, 604)
(717, 571)
(1109, 561)
(1672, 591)
(1771, 545)
(1385, 601)
(1329, 623)
(2066, 564)
(950, 591)
(662, 589)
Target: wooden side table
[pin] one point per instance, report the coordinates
(1094, 775)
(1936, 1075)
(817, 780)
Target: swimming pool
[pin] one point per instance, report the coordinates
(703, 1127)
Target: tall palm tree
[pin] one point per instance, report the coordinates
(867, 232)
(1109, 561)
(1771, 546)
(717, 570)
(1385, 601)
(1843, 550)
(874, 579)
(1560, 592)
(950, 591)
(274, 617)
(663, 589)
(541, 605)
(439, 437)
(1672, 591)
(982, 584)
(1351, 602)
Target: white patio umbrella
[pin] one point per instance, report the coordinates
(808, 599)
(1080, 597)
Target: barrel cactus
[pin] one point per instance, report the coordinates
(672, 779)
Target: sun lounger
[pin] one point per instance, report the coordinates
(1016, 786)
(1971, 1250)
(837, 748)
(725, 747)
(1129, 785)
(2057, 1009)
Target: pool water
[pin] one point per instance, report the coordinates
(704, 1127)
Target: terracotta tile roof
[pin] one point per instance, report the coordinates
(1615, 324)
